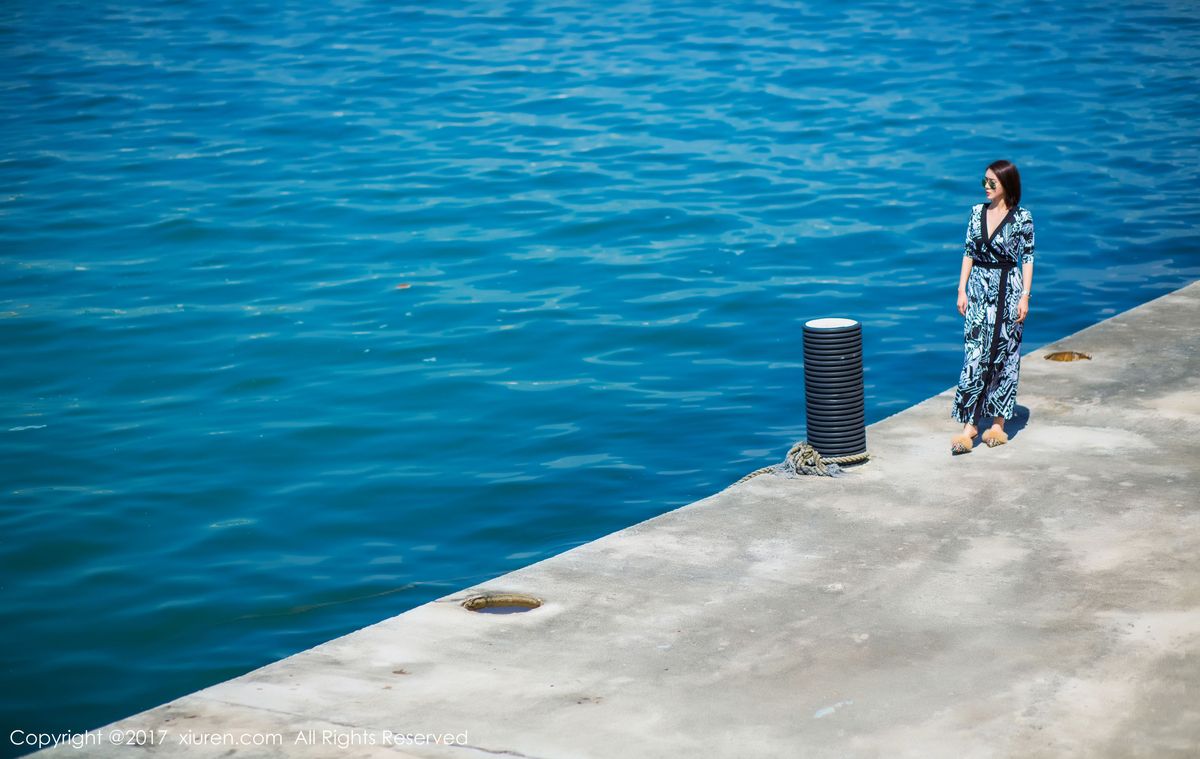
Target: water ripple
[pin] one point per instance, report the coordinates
(313, 316)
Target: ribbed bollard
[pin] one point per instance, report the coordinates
(833, 387)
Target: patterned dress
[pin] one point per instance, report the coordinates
(987, 386)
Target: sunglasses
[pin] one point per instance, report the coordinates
(989, 183)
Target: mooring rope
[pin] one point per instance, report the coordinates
(803, 459)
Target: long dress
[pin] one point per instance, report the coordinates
(987, 385)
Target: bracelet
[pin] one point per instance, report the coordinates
(1025, 292)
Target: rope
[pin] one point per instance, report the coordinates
(803, 459)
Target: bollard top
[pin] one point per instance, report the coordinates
(830, 323)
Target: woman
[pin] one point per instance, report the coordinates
(993, 295)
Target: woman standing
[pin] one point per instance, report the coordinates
(993, 295)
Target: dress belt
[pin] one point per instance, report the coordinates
(995, 264)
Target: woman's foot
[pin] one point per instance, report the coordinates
(964, 441)
(995, 435)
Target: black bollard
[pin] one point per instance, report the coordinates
(833, 387)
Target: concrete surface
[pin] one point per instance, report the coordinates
(1040, 599)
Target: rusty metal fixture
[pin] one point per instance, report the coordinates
(1067, 356)
(501, 603)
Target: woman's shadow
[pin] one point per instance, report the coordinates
(1020, 418)
(1011, 428)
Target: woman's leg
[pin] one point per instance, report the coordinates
(1002, 399)
(970, 379)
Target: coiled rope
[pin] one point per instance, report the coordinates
(803, 459)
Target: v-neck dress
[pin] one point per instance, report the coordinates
(987, 385)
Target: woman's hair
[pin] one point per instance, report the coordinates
(1010, 180)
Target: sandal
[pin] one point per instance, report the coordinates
(994, 437)
(960, 444)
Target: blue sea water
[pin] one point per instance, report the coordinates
(314, 312)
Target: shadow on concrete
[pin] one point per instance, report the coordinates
(1012, 427)
(1017, 423)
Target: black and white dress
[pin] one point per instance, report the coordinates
(987, 386)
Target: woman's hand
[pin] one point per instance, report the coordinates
(962, 301)
(1022, 308)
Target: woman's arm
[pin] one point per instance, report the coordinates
(967, 263)
(1025, 243)
(1027, 278)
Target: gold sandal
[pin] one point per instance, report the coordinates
(960, 443)
(994, 437)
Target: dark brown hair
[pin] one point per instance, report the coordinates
(1010, 180)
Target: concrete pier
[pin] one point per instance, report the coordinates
(1039, 599)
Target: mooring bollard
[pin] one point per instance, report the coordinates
(833, 387)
